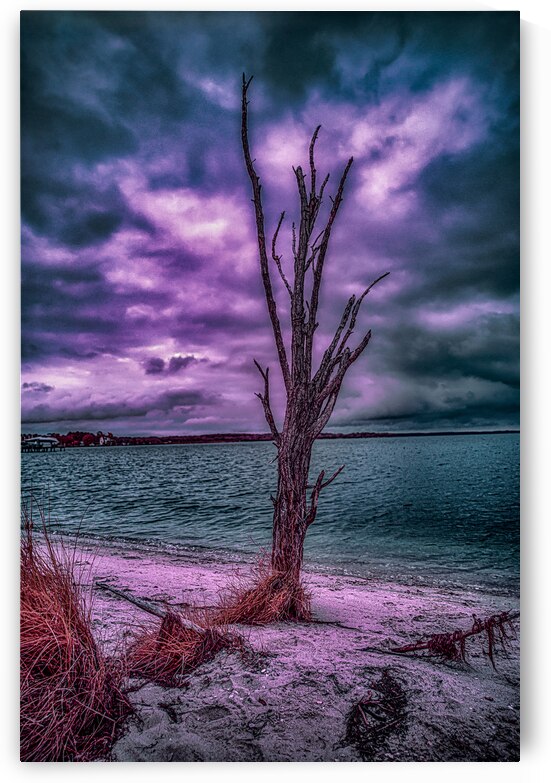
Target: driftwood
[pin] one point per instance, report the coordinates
(498, 629)
(148, 606)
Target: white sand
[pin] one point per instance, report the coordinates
(291, 702)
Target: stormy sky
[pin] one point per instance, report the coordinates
(142, 306)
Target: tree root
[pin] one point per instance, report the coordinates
(498, 628)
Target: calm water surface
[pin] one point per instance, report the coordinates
(437, 509)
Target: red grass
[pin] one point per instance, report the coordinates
(167, 653)
(271, 597)
(72, 704)
(72, 698)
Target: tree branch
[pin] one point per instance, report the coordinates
(148, 606)
(333, 477)
(265, 400)
(303, 235)
(333, 386)
(259, 216)
(314, 499)
(321, 253)
(318, 486)
(325, 241)
(350, 312)
(298, 354)
(312, 163)
(325, 415)
(324, 364)
(346, 359)
(323, 184)
(277, 258)
(356, 310)
(315, 248)
(359, 350)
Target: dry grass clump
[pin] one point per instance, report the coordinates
(271, 597)
(167, 653)
(72, 704)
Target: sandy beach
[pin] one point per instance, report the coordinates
(290, 697)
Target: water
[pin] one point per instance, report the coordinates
(435, 509)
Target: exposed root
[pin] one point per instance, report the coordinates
(167, 653)
(72, 704)
(498, 628)
(272, 597)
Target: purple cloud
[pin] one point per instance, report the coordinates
(154, 365)
(36, 387)
(139, 255)
(178, 363)
(182, 402)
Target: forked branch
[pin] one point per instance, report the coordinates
(355, 311)
(309, 246)
(265, 400)
(332, 355)
(318, 486)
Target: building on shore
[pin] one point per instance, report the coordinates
(41, 443)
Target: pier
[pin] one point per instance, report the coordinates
(42, 444)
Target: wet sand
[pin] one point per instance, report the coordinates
(290, 699)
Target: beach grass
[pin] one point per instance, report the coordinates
(168, 652)
(72, 698)
(268, 597)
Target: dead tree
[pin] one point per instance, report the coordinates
(311, 393)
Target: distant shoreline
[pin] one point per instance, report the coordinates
(238, 437)
(243, 437)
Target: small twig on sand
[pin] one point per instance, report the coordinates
(387, 726)
(380, 713)
(362, 713)
(336, 624)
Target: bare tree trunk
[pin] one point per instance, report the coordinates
(311, 396)
(290, 507)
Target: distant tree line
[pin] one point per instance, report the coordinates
(79, 438)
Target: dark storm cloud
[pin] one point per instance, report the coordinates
(56, 121)
(76, 214)
(465, 411)
(154, 365)
(178, 363)
(482, 249)
(486, 348)
(138, 237)
(36, 387)
(396, 49)
(181, 400)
